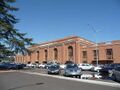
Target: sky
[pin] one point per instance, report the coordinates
(48, 20)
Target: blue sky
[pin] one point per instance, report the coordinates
(46, 20)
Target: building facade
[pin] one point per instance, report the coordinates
(73, 48)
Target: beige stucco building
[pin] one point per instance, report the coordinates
(73, 48)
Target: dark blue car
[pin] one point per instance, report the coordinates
(109, 67)
(3, 66)
(11, 66)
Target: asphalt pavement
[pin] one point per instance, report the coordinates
(23, 81)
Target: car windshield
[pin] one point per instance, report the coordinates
(54, 67)
(117, 65)
(85, 64)
(72, 66)
(114, 65)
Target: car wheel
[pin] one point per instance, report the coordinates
(78, 76)
(65, 74)
(48, 72)
(113, 77)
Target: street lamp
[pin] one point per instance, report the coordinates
(97, 52)
(96, 45)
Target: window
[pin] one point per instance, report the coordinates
(23, 59)
(30, 55)
(55, 54)
(96, 54)
(70, 53)
(46, 55)
(109, 53)
(38, 55)
(84, 54)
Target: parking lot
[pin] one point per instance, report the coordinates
(34, 80)
(85, 74)
(88, 73)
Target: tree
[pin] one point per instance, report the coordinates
(11, 40)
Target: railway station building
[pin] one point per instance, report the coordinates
(72, 48)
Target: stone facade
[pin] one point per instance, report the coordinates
(74, 48)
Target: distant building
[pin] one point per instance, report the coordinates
(74, 48)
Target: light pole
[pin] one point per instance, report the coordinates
(96, 50)
(96, 45)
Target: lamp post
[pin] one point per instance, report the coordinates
(96, 45)
(97, 53)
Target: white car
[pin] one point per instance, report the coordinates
(42, 65)
(86, 76)
(62, 66)
(31, 65)
(98, 76)
(96, 68)
(85, 66)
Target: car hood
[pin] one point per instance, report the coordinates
(53, 69)
(72, 69)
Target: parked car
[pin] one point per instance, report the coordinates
(54, 69)
(48, 65)
(109, 67)
(86, 76)
(8, 65)
(4, 66)
(96, 68)
(42, 65)
(69, 62)
(31, 65)
(62, 66)
(72, 70)
(19, 65)
(85, 66)
(116, 74)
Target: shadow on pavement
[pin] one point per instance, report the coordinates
(28, 85)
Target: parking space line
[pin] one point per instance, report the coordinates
(75, 79)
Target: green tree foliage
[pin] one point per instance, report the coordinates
(11, 40)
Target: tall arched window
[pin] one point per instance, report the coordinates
(38, 55)
(30, 55)
(46, 55)
(55, 54)
(70, 53)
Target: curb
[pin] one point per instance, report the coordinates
(78, 80)
(5, 71)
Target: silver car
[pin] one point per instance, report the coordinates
(116, 74)
(72, 70)
(54, 69)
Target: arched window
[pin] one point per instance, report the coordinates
(30, 55)
(38, 55)
(46, 55)
(55, 54)
(70, 53)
